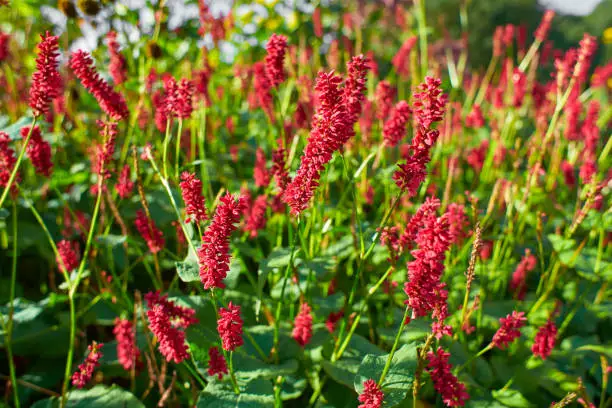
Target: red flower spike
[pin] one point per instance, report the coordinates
(191, 190)
(213, 255)
(46, 80)
(384, 96)
(111, 102)
(38, 150)
(127, 350)
(302, 329)
(105, 152)
(149, 232)
(394, 129)
(330, 130)
(401, 59)
(177, 99)
(518, 284)
(262, 87)
(216, 363)
(428, 108)
(68, 259)
(372, 396)
(279, 167)
(229, 327)
(600, 76)
(332, 320)
(276, 48)
(84, 373)
(498, 42)
(542, 30)
(7, 163)
(355, 86)
(167, 322)
(545, 340)
(588, 46)
(459, 222)
(425, 290)
(124, 185)
(4, 45)
(260, 172)
(475, 119)
(446, 384)
(509, 330)
(519, 80)
(256, 219)
(117, 66)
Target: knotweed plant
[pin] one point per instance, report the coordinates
(277, 204)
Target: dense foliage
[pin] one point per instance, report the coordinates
(323, 205)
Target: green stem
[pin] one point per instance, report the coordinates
(281, 302)
(604, 380)
(94, 219)
(68, 369)
(72, 290)
(606, 150)
(529, 56)
(362, 260)
(355, 323)
(164, 182)
(178, 148)
(17, 164)
(9, 334)
(232, 373)
(422, 22)
(480, 353)
(394, 348)
(485, 81)
(202, 150)
(165, 149)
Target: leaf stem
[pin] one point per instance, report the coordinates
(394, 348)
(13, 176)
(9, 330)
(281, 302)
(165, 149)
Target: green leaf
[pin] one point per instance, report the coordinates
(14, 129)
(416, 329)
(292, 387)
(264, 337)
(483, 404)
(257, 394)
(278, 258)
(564, 247)
(343, 248)
(561, 244)
(24, 311)
(326, 305)
(511, 398)
(249, 368)
(99, 396)
(345, 369)
(399, 378)
(188, 269)
(233, 275)
(111, 240)
(318, 266)
(34, 326)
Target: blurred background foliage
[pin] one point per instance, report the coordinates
(485, 15)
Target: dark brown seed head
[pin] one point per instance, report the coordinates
(67, 7)
(153, 50)
(89, 7)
